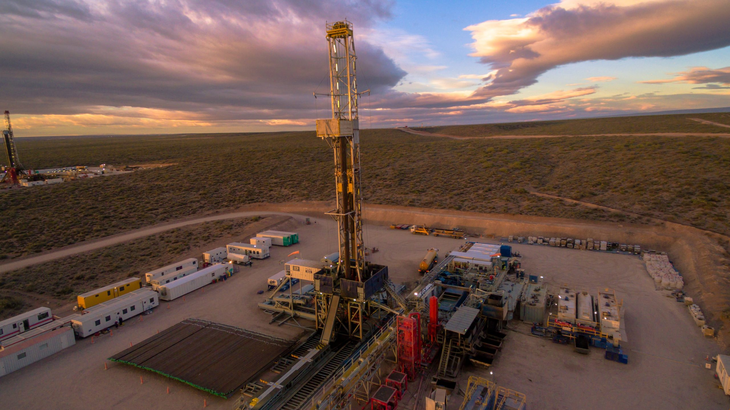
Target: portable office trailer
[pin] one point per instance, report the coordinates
(195, 281)
(171, 268)
(241, 259)
(260, 241)
(303, 269)
(275, 280)
(280, 238)
(115, 311)
(24, 322)
(217, 255)
(37, 348)
(723, 361)
(253, 251)
(165, 279)
(108, 293)
(331, 259)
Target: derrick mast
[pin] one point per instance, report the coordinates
(342, 134)
(14, 167)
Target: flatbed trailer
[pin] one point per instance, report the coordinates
(451, 233)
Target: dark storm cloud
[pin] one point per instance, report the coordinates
(223, 59)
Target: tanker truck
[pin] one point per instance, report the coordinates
(428, 261)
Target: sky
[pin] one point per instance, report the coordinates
(91, 67)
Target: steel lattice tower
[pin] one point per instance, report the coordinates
(342, 134)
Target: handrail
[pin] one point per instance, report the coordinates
(319, 394)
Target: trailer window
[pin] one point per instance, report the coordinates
(97, 323)
(1, 332)
(152, 300)
(43, 316)
(15, 325)
(108, 292)
(121, 288)
(21, 356)
(124, 311)
(108, 318)
(178, 268)
(43, 346)
(131, 308)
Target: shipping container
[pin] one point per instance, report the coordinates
(165, 279)
(303, 269)
(114, 312)
(604, 245)
(24, 322)
(260, 241)
(609, 312)
(195, 281)
(533, 304)
(107, 293)
(253, 251)
(217, 255)
(276, 280)
(37, 348)
(170, 268)
(280, 238)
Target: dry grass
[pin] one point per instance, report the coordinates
(677, 179)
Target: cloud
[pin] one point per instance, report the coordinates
(213, 60)
(698, 75)
(711, 87)
(600, 79)
(522, 49)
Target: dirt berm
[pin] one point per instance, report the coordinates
(696, 254)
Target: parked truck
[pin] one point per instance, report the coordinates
(428, 261)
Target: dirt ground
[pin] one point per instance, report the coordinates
(657, 134)
(666, 350)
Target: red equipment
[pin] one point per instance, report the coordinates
(433, 318)
(409, 344)
(386, 398)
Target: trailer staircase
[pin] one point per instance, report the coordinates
(328, 366)
(450, 360)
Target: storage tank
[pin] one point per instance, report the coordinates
(428, 261)
(585, 307)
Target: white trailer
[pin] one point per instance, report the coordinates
(114, 312)
(165, 279)
(239, 259)
(276, 280)
(254, 251)
(261, 241)
(723, 362)
(24, 322)
(171, 268)
(37, 348)
(217, 255)
(303, 269)
(280, 238)
(197, 280)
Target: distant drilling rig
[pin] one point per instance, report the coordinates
(14, 166)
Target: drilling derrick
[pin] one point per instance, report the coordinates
(14, 167)
(342, 134)
(343, 301)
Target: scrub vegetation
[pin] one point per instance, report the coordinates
(684, 180)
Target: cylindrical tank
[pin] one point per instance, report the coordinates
(433, 315)
(428, 261)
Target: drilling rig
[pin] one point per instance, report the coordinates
(14, 167)
(343, 295)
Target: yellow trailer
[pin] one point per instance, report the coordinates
(96, 296)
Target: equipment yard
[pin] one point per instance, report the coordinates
(667, 352)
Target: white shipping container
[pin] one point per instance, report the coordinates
(170, 268)
(107, 314)
(192, 282)
(260, 241)
(37, 348)
(585, 307)
(604, 245)
(567, 305)
(723, 361)
(216, 255)
(165, 279)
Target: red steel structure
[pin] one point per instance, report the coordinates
(433, 318)
(409, 344)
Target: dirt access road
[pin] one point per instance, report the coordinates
(657, 134)
(710, 122)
